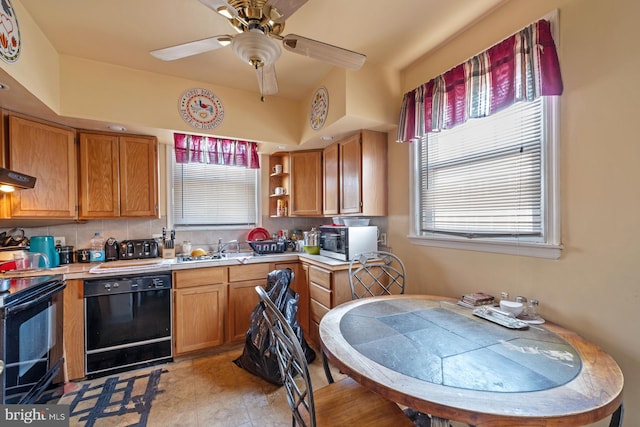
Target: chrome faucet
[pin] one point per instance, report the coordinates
(222, 247)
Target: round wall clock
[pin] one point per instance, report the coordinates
(201, 108)
(9, 33)
(319, 108)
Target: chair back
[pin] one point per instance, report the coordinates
(376, 273)
(292, 363)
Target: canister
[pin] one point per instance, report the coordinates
(83, 255)
(66, 254)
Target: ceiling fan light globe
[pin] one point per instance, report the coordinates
(254, 46)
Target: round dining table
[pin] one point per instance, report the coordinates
(435, 356)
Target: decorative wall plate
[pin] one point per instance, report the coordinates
(9, 33)
(319, 108)
(201, 108)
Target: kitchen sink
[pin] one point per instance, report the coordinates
(231, 255)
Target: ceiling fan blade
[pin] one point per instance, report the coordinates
(280, 10)
(323, 51)
(222, 7)
(267, 79)
(192, 48)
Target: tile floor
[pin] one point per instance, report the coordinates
(210, 390)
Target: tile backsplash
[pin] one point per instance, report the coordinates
(79, 235)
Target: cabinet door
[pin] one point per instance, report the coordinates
(48, 153)
(331, 181)
(243, 297)
(306, 183)
(99, 176)
(242, 300)
(351, 175)
(299, 286)
(199, 317)
(138, 176)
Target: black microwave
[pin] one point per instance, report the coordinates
(344, 243)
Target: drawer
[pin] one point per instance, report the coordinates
(317, 311)
(199, 277)
(320, 276)
(240, 273)
(320, 294)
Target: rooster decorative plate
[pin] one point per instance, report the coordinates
(201, 108)
(9, 33)
(319, 108)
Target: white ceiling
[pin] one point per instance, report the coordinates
(122, 32)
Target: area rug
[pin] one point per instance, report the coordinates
(123, 400)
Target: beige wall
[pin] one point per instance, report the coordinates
(594, 288)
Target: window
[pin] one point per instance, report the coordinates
(491, 183)
(213, 196)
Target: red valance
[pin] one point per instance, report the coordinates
(522, 67)
(217, 151)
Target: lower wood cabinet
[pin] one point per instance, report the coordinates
(73, 331)
(327, 289)
(213, 305)
(299, 286)
(200, 300)
(243, 297)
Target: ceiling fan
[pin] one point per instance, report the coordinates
(259, 24)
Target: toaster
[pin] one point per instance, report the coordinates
(138, 249)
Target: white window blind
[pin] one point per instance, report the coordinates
(484, 178)
(214, 195)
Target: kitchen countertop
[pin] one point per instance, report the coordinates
(118, 268)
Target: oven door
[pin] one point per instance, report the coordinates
(31, 345)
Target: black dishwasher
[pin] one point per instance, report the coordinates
(127, 322)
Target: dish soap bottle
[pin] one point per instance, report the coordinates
(97, 248)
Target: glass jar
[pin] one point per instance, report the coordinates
(186, 247)
(532, 309)
(314, 237)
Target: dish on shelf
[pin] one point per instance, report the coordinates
(258, 233)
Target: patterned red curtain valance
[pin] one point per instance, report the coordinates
(522, 67)
(217, 151)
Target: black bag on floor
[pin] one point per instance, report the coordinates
(258, 356)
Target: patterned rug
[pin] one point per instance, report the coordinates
(123, 400)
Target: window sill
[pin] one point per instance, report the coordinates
(537, 250)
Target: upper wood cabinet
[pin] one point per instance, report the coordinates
(355, 178)
(48, 153)
(118, 176)
(331, 191)
(305, 183)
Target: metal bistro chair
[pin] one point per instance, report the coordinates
(342, 403)
(372, 274)
(376, 273)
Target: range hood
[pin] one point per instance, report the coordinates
(9, 180)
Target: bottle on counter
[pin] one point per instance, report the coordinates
(96, 253)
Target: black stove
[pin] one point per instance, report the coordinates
(15, 290)
(31, 310)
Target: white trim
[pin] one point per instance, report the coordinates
(537, 250)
